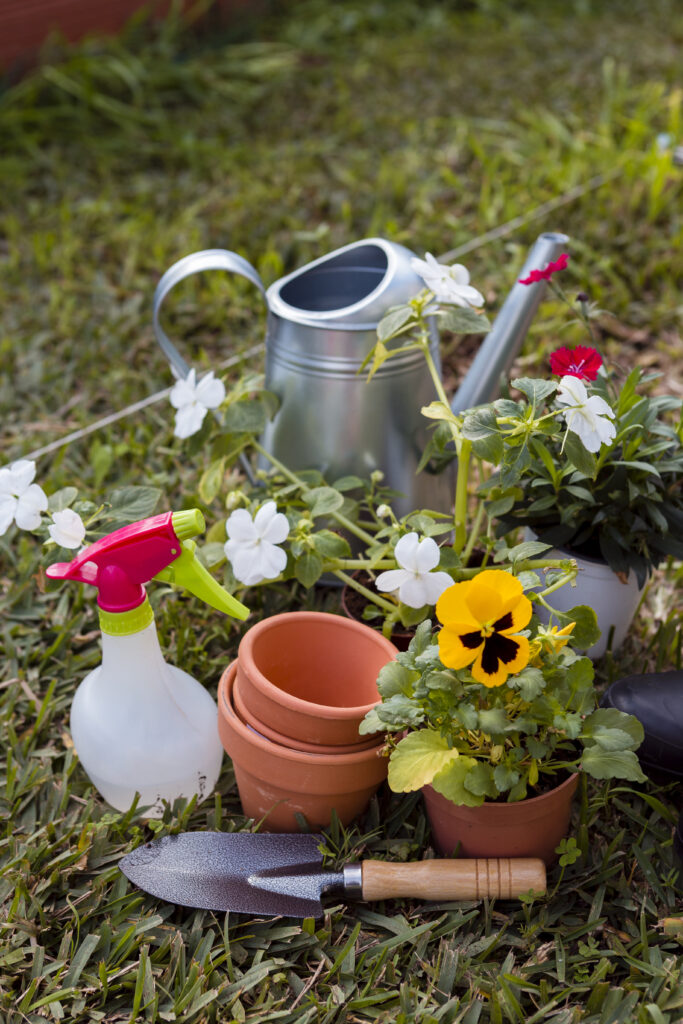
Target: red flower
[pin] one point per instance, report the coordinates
(544, 275)
(581, 361)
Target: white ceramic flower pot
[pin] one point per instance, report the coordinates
(614, 601)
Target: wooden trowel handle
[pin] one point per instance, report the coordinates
(503, 878)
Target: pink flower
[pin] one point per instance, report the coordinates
(581, 361)
(544, 275)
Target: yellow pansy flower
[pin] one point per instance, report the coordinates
(480, 618)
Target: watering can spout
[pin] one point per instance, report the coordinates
(497, 353)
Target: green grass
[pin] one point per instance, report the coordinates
(282, 138)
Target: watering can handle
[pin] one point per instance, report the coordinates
(205, 259)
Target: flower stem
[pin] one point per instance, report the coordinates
(379, 601)
(347, 524)
(460, 517)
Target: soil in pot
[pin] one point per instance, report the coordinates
(526, 828)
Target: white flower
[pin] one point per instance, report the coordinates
(193, 400)
(587, 417)
(416, 584)
(20, 499)
(67, 529)
(251, 547)
(449, 284)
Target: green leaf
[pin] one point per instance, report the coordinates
(418, 757)
(323, 500)
(308, 568)
(450, 782)
(479, 780)
(211, 480)
(577, 454)
(505, 777)
(439, 411)
(395, 678)
(371, 723)
(535, 390)
(212, 554)
(462, 320)
(245, 417)
(394, 321)
(348, 483)
(530, 682)
(490, 448)
(133, 503)
(613, 729)
(331, 545)
(480, 423)
(529, 549)
(611, 764)
(61, 499)
(493, 720)
(586, 631)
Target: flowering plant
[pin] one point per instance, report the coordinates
(496, 706)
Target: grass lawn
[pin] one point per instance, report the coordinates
(282, 138)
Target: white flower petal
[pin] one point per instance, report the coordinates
(8, 506)
(244, 562)
(67, 528)
(182, 393)
(435, 583)
(599, 406)
(272, 560)
(188, 420)
(572, 391)
(414, 592)
(23, 471)
(264, 516)
(210, 392)
(30, 504)
(276, 530)
(427, 555)
(392, 579)
(405, 551)
(240, 527)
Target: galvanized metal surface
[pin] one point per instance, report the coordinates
(259, 874)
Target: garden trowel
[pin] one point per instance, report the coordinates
(281, 874)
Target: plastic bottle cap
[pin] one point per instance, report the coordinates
(187, 523)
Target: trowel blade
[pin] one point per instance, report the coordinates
(249, 873)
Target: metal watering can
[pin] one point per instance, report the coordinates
(322, 322)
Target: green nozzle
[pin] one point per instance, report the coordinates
(188, 523)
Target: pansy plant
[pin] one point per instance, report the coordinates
(496, 706)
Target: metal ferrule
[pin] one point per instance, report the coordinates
(353, 881)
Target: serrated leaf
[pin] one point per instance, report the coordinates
(323, 500)
(613, 729)
(394, 678)
(418, 757)
(612, 764)
(504, 777)
(450, 782)
(586, 632)
(530, 682)
(308, 568)
(480, 423)
(536, 390)
(479, 781)
(371, 723)
(493, 720)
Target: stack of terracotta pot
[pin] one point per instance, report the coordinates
(289, 709)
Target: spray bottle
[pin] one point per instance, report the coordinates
(139, 724)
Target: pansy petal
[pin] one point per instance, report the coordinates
(405, 551)
(453, 652)
(515, 617)
(452, 606)
(500, 657)
(240, 527)
(391, 580)
(484, 600)
(8, 505)
(210, 391)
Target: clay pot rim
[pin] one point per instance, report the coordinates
(269, 747)
(298, 704)
(508, 811)
(291, 742)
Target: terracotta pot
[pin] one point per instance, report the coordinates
(252, 723)
(526, 828)
(275, 782)
(311, 676)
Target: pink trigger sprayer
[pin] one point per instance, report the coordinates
(139, 724)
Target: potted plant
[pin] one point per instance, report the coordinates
(494, 719)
